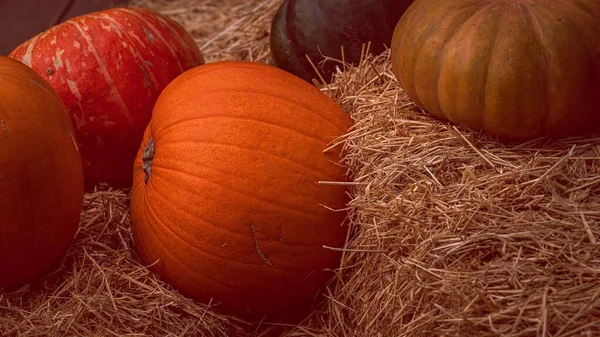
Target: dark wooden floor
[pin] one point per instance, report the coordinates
(23, 19)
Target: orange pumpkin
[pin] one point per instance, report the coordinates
(515, 69)
(226, 195)
(41, 178)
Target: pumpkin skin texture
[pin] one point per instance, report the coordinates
(226, 194)
(317, 28)
(109, 68)
(518, 70)
(41, 177)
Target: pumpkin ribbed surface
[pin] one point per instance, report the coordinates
(516, 69)
(109, 68)
(226, 195)
(41, 179)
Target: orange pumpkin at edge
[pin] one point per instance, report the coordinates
(226, 198)
(41, 177)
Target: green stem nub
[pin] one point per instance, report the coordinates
(147, 158)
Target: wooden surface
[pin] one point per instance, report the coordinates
(23, 19)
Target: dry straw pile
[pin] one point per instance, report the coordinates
(455, 234)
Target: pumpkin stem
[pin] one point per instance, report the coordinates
(147, 158)
(6, 134)
(262, 255)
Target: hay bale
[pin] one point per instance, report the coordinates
(454, 233)
(458, 235)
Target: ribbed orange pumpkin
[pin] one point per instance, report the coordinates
(226, 193)
(41, 178)
(513, 68)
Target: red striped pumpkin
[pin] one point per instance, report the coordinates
(109, 68)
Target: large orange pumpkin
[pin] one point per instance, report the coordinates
(109, 68)
(226, 194)
(41, 179)
(515, 69)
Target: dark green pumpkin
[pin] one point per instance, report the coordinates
(317, 28)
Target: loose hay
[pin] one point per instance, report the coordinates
(103, 290)
(223, 29)
(455, 234)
